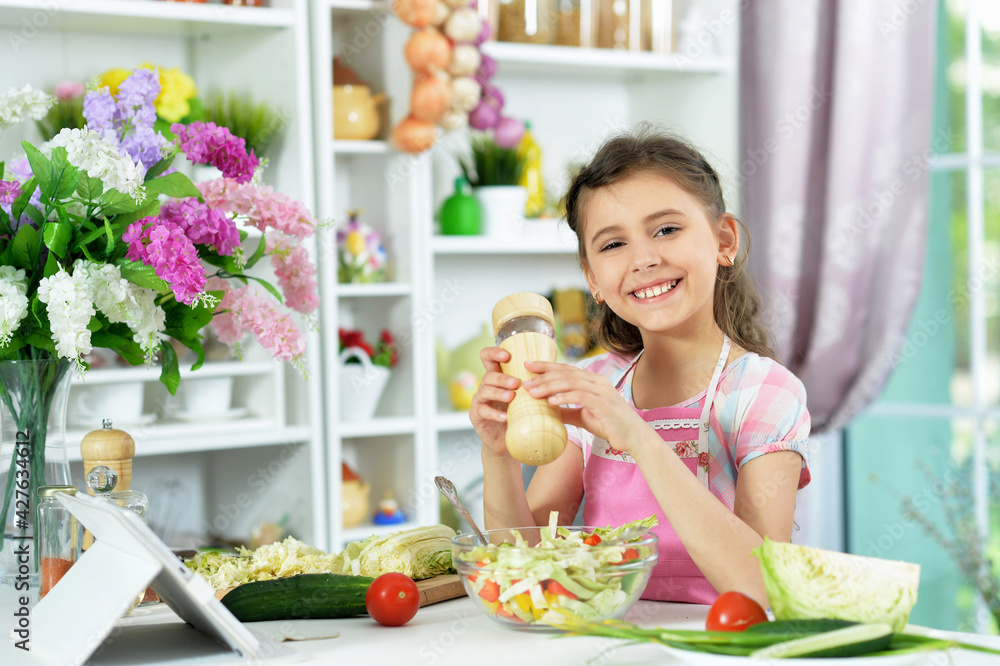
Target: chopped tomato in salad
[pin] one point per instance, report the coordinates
(526, 584)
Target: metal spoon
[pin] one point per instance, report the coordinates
(447, 489)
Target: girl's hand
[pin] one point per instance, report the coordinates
(602, 410)
(489, 405)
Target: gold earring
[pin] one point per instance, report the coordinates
(597, 297)
(729, 259)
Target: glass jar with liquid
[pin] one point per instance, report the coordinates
(58, 537)
(525, 21)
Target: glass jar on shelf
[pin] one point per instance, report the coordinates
(566, 17)
(58, 537)
(635, 25)
(525, 21)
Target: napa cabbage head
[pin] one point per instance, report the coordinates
(421, 552)
(806, 583)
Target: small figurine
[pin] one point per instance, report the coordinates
(361, 256)
(388, 512)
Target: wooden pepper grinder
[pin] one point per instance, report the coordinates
(523, 324)
(111, 448)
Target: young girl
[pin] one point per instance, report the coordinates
(687, 415)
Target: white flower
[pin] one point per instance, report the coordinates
(99, 157)
(13, 301)
(124, 302)
(69, 304)
(16, 105)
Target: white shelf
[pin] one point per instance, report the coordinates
(172, 438)
(376, 289)
(144, 16)
(361, 147)
(362, 532)
(378, 427)
(354, 5)
(452, 421)
(526, 244)
(544, 59)
(143, 374)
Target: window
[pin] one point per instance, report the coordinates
(937, 419)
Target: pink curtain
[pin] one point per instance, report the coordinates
(836, 106)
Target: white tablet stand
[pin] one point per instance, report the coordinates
(79, 613)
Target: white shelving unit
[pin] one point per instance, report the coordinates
(272, 440)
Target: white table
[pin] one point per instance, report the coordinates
(451, 632)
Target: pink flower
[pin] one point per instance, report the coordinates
(703, 460)
(263, 207)
(207, 143)
(203, 225)
(684, 450)
(243, 311)
(296, 272)
(224, 320)
(164, 246)
(9, 191)
(67, 90)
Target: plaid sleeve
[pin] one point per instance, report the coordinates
(770, 414)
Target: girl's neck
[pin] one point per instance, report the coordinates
(675, 366)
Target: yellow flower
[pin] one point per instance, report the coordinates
(113, 78)
(356, 243)
(176, 88)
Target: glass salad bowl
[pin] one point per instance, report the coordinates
(535, 577)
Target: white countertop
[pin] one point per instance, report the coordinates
(450, 632)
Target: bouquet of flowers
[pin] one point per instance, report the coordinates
(102, 244)
(361, 256)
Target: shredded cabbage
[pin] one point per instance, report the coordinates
(419, 553)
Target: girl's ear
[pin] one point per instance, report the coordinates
(729, 239)
(592, 282)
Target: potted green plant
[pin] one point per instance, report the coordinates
(494, 172)
(256, 122)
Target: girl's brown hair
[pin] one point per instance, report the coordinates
(648, 149)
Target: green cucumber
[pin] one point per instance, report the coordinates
(306, 596)
(847, 642)
(804, 627)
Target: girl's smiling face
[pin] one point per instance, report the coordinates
(652, 253)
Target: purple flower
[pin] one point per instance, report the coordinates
(129, 118)
(202, 225)
(164, 246)
(9, 191)
(20, 169)
(207, 143)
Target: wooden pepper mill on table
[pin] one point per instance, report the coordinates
(524, 325)
(112, 448)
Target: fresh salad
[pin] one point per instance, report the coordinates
(585, 573)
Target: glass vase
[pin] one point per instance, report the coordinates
(33, 402)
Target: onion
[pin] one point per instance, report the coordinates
(413, 135)
(430, 98)
(463, 25)
(484, 34)
(484, 116)
(508, 132)
(427, 50)
(487, 67)
(418, 13)
(465, 60)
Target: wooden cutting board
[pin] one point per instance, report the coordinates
(432, 590)
(440, 588)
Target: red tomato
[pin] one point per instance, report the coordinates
(734, 611)
(490, 591)
(592, 540)
(554, 587)
(392, 599)
(629, 555)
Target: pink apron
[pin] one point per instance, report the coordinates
(617, 493)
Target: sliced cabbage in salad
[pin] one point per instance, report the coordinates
(567, 571)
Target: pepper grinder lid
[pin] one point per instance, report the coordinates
(521, 304)
(108, 443)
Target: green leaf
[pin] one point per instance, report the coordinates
(57, 237)
(170, 372)
(270, 287)
(89, 189)
(140, 274)
(110, 233)
(150, 209)
(174, 184)
(27, 189)
(257, 254)
(25, 248)
(34, 215)
(114, 202)
(51, 265)
(119, 338)
(40, 341)
(160, 166)
(65, 176)
(41, 167)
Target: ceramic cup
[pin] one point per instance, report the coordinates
(204, 396)
(122, 403)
